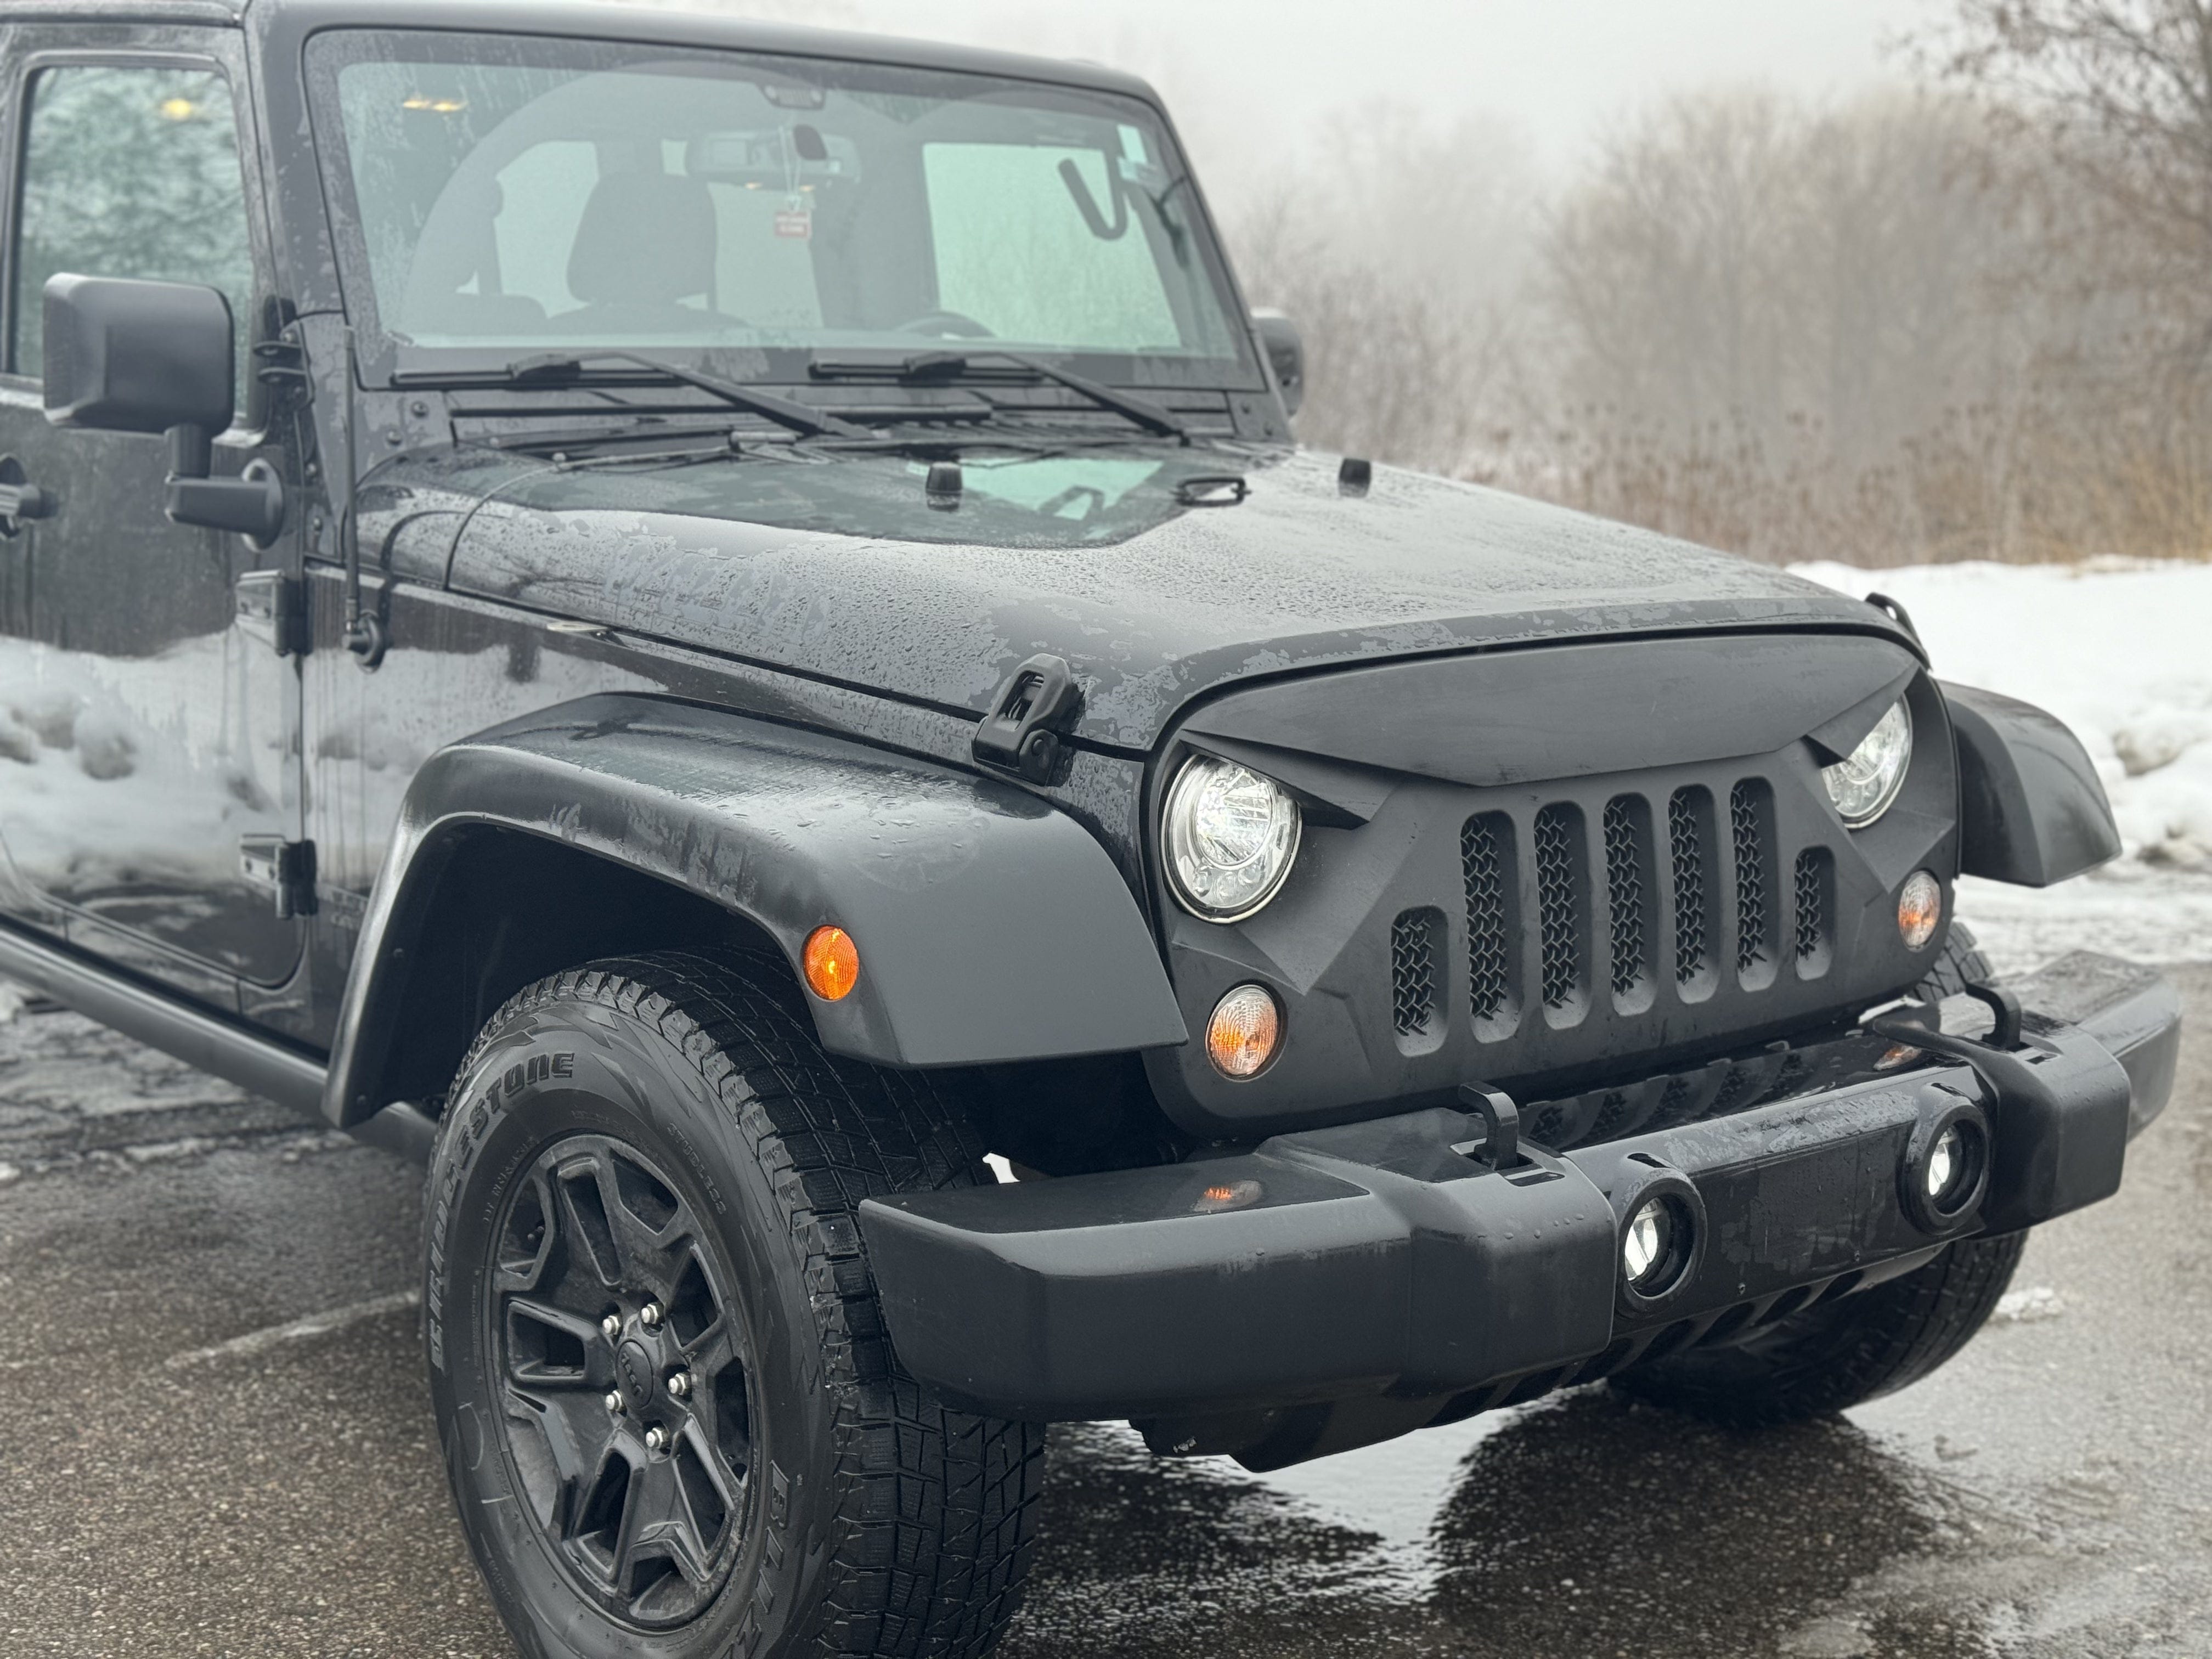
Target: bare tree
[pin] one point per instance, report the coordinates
(1403, 252)
(2120, 90)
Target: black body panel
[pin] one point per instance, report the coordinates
(1295, 578)
(1538, 918)
(2031, 809)
(1573, 711)
(1336, 1286)
(990, 926)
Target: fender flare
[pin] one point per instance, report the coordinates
(2032, 810)
(991, 926)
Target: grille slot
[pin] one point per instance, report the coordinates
(1815, 885)
(1561, 880)
(1414, 938)
(1629, 885)
(1487, 867)
(1751, 830)
(1608, 902)
(1689, 859)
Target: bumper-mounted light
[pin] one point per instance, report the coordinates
(1662, 1238)
(1946, 1163)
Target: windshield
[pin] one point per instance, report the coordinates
(512, 195)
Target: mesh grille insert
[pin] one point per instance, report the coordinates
(1814, 865)
(1750, 825)
(1627, 835)
(1559, 903)
(1413, 972)
(1687, 830)
(1489, 954)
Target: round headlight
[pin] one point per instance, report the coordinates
(1231, 835)
(1864, 785)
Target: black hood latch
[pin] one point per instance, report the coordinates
(1030, 714)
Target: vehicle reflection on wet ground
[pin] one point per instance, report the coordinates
(191, 1468)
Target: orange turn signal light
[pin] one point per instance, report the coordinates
(832, 962)
(1246, 1029)
(1919, 909)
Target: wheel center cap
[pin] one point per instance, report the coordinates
(634, 1367)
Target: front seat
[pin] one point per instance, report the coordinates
(645, 244)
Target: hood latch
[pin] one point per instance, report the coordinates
(1030, 713)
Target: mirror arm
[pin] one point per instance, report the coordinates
(251, 505)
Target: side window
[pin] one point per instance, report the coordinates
(130, 172)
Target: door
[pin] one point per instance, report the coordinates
(144, 734)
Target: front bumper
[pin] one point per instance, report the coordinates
(1335, 1286)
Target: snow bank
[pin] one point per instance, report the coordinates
(2122, 652)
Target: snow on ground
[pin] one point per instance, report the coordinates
(2122, 652)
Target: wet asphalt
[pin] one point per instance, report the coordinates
(214, 1439)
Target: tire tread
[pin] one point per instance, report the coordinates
(937, 1509)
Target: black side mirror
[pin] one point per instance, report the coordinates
(1286, 355)
(126, 355)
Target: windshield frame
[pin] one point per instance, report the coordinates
(387, 363)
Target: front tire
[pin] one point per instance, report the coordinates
(671, 1418)
(1842, 1354)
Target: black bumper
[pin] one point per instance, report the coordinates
(1374, 1266)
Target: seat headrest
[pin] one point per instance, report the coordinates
(645, 239)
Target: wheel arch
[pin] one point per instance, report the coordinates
(992, 927)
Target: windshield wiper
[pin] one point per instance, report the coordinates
(573, 365)
(948, 364)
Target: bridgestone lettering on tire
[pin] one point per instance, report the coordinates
(673, 1422)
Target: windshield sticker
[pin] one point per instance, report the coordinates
(1132, 145)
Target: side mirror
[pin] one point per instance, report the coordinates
(126, 355)
(1286, 355)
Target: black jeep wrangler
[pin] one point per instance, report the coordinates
(706, 624)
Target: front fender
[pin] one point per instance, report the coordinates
(2031, 808)
(991, 926)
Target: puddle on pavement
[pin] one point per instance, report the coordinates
(1580, 1527)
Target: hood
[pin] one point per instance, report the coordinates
(836, 566)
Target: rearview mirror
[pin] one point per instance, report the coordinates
(1286, 355)
(127, 356)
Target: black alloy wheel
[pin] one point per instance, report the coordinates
(622, 1348)
(673, 1423)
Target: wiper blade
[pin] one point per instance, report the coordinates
(949, 365)
(786, 411)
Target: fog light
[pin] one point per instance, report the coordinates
(1919, 907)
(1643, 1252)
(1244, 1032)
(1946, 1163)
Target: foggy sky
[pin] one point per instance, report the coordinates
(1242, 74)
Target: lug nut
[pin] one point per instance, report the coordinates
(680, 1384)
(611, 1326)
(650, 1315)
(615, 1401)
(656, 1439)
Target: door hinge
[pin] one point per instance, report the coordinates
(286, 868)
(272, 607)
